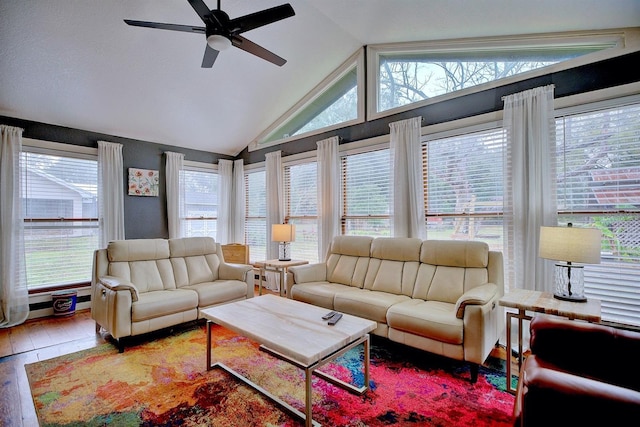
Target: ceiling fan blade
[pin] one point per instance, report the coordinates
(258, 19)
(209, 58)
(161, 26)
(251, 47)
(201, 9)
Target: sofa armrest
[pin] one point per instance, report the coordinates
(117, 284)
(309, 273)
(577, 400)
(234, 271)
(480, 295)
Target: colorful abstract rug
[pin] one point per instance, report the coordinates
(164, 382)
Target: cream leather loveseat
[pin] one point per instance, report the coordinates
(436, 295)
(143, 285)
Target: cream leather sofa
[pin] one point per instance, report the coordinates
(436, 295)
(143, 285)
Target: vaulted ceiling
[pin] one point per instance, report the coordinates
(77, 64)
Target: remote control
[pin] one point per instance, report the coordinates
(334, 319)
(328, 315)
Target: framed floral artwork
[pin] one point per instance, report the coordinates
(143, 182)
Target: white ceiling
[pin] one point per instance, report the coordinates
(77, 64)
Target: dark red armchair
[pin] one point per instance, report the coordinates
(579, 374)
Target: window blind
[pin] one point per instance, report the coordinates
(200, 202)
(598, 185)
(365, 193)
(300, 181)
(256, 214)
(464, 187)
(60, 208)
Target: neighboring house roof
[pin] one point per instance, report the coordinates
(626, 191)
(84, 190)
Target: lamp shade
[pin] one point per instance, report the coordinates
(571, 244)
(283, 232)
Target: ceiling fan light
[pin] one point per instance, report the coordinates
(218, 42)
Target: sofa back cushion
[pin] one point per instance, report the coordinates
(449, 268)
(394, 265)
(348, 259)
(194, 260)
(144, 262)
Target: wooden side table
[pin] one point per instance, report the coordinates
(277, 266)
(542, 302)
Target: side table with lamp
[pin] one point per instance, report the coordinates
(284, 234)
(565, 245)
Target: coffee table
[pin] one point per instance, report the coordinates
(295, 332)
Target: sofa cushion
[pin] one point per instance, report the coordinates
(357, 246)
(195, 269)
(455, 253)
(348, 260)
(396, 248)
(137, 250)
(191, 246)
(219, 292)
(147, 276)
(161, 303)
(321, 294)
(372, 305)
(430, 319)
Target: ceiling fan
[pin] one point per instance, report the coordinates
(223, 32)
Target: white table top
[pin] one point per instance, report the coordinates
(292, 328)
(544, 302)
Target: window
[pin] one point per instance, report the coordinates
(336, 102)
(60, 207)
(408, 73)
(200, 201)
(301, 208)
(463, 187)
(365, 193)
(599, 186)
(256, 214)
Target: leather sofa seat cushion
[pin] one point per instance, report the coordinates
(371, 305)
(430, 319)
(219, 292)
(321, 294)
(155, 304)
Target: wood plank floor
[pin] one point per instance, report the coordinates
(45, 338)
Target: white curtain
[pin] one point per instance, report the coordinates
(530, 195)
(14, 298)
(407, 205)
(328, 194)
(238, 207)
(110, 192)
(275, 210)
(225, 201)
(175, 194)
(275, 198)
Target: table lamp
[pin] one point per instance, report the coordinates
(283, 233)
(568, 245)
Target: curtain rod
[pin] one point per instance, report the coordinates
(551, 86)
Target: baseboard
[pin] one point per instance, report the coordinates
(41, 304)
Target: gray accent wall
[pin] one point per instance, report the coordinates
(144, 217)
